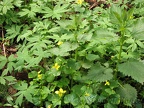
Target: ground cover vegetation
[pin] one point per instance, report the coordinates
(71, 54)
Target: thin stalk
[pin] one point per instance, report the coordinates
(76, 51)
(121, 45)
(120, 51)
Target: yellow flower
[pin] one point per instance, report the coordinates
(80, 1)
(87, 94)
(39, 75)
(59, 43)
(56, 66)
(49, 106)
(60, 92)
(131, 17)
(107, 83)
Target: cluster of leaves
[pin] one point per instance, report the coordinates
(74, 57)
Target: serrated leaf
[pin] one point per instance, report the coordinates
(2, 80)
(18, 3)
(19, 100)
(4, 72)
(99, 73)
(2, 64)
(138, 30)
(105, 36)
(28, 96)
(128, 94)
(3, 61)
(140, 43)
(84, 37)
(134, 68)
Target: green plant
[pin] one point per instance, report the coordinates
(73, 56)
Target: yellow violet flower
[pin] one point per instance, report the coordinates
(39, 75)
(56, 66)
(60, 92)
(87, 94)
(59, 43)
(107, 83)
(79, 1)
(49, 106)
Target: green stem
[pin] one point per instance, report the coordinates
(76, 51)
(120, 51)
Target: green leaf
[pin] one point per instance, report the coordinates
(11, 66)
(21, 86)
(56, 12)
(99, 73)
(90, 99)
(84, 37)
(6, 5)
(92, 57)
(63, 82)
(28, 96)
(109, 91)
(77, 90)
(3, 61)
(71, 98)
(13, 31)
(115, 99)
(105, 36)
(4, 72)
(109, 105)
(138, 30)
(18, 3)
(86, 64)
(32, 74)
(2, 80)
(134, 68)
(10, 78)
(50, 78)
(56, 100)
(19, 100)
(128, 94)
(140, 43)
(28, 12)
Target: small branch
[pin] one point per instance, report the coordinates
(4, 49)
(93, 5)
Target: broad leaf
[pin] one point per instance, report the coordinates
(109, 105)
(138, 30)
(128, 94)
(71, 98)
(105, 36)
(135, 69)
(99, 73)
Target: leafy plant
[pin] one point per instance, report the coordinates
(67, 54)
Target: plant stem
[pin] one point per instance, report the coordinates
(120, 51)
